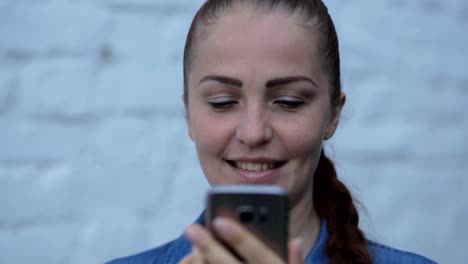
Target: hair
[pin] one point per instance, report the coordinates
(332, 200)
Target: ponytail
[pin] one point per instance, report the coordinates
(332, 201)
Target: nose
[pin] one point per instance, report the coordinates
(254, 128)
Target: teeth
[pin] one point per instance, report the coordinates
(254, 166)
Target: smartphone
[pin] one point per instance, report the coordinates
(262, 209)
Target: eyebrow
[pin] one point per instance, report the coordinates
(271, 83)
(222, 79)
(289, 79)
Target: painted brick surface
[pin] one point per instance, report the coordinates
(95, 161)
(52, 26)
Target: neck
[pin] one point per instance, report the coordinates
(304, 222)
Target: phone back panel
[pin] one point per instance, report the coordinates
(261, 209)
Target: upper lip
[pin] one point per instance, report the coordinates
(256, 160)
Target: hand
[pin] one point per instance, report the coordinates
(206, 249)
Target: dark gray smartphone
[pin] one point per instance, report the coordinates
(262, 209)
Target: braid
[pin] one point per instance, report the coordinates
(332, 200)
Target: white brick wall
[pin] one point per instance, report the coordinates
(94, 158)
(52, 26)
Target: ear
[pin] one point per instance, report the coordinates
(187, 118)
(335, 118)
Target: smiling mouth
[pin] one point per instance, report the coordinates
(255, 166)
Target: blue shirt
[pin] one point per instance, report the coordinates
(175, 250)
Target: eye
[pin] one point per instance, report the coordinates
(222, 103)
(289, 102)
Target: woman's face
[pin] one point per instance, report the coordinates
(258, 102)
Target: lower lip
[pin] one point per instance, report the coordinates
(266, 176)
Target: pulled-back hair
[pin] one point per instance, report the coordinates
(332, 200)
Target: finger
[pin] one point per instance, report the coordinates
(193, 258)
(295, 252)
(210, 250)
(197, 257)
(246, 244)
(186, 260)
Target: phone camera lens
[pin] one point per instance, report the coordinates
(263, 214)
(246, 214)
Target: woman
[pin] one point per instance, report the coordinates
(262, 92)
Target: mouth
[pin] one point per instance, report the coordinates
(256, 171)
(255, 166)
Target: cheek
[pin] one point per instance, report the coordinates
(304, 148)
(301, 137)
(210, 136)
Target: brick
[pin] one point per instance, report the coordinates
(149, 39)
(443, 144)
(113, 234)
(57, 88)
(122, 140)
(52, 25)
(412, 33)
(162, 5)
(8, 89)
(44, 188)
(405, 180)
(50, 243)
(135, 141)
(25, 141)
(138, 88)
(385, 189)
(134, 200)
(380, 142)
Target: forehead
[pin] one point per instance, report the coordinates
(247, 37)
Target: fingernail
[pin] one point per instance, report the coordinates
(222, 226)
(195, 251)
(299, 244)
(191, 233)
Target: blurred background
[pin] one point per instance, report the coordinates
(95, 162)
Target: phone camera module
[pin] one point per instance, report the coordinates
(263, 214)
(246, 213)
